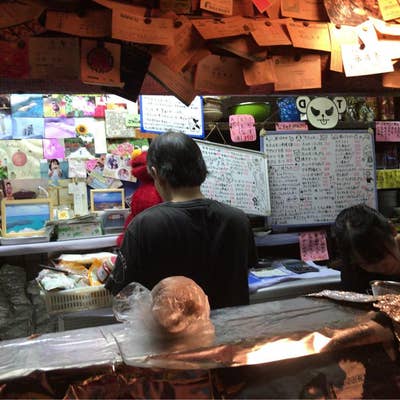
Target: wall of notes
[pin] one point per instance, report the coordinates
(237, 177)
(313, 176)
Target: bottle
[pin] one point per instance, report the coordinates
(105, 268)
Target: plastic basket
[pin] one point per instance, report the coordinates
(80, 299)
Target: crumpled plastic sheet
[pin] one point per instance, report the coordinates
(246, 335)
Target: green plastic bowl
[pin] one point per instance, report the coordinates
(260, 111)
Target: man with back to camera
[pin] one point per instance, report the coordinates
(188, 234)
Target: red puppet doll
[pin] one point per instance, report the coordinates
(146, 194)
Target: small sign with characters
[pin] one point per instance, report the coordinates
(242, 128)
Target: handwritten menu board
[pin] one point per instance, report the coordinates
(160, 114)
(238, 177)
(313, 176)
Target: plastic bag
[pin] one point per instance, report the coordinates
(176, 306)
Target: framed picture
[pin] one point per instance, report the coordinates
(25, 217)
(105, 199)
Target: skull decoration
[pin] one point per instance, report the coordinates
(322, 112)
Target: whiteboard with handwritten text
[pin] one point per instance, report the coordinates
(160, 114)
(314, 175)
(238, 177)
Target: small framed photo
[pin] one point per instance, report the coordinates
(106, 199)
(25, 217)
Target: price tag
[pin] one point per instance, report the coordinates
(242, 128)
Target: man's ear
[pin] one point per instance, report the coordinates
(152, 172)
(393, 228)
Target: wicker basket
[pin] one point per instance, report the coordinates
(80, 299)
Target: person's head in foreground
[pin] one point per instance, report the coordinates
(175, 162)
(367, 240)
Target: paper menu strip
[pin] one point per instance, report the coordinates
(313, 246)
(310, 35)
(224, 27)
(271, 32)
(292, 74)
(313, 10)
(95, 23)
(138, 29)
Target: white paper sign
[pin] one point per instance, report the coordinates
(160, 114)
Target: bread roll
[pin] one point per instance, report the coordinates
(177, 303)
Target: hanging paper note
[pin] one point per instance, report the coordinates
(79, 191)
(242, 128)
(313, 246)
(261, 5)
(387, 131)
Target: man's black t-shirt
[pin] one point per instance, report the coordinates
(207, 241)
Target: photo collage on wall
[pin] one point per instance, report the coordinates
(48, 141)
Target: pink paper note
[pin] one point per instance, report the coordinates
(261, 5)
(387, 131)
(242, 128)
(313, 246)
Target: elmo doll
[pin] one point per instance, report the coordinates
(146, 194)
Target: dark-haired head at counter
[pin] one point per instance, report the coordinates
(188, 234)
(369, 247)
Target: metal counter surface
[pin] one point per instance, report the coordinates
(247, 335)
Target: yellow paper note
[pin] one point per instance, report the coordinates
(310, 35)
(390, 9)
(292, 74)
(268, 32)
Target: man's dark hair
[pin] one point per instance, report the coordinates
(362, 232)
(177, 159)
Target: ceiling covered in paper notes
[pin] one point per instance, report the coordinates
(190, 47)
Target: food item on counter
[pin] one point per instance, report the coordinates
(178, 303)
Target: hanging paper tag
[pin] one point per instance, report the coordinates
(242, 128)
